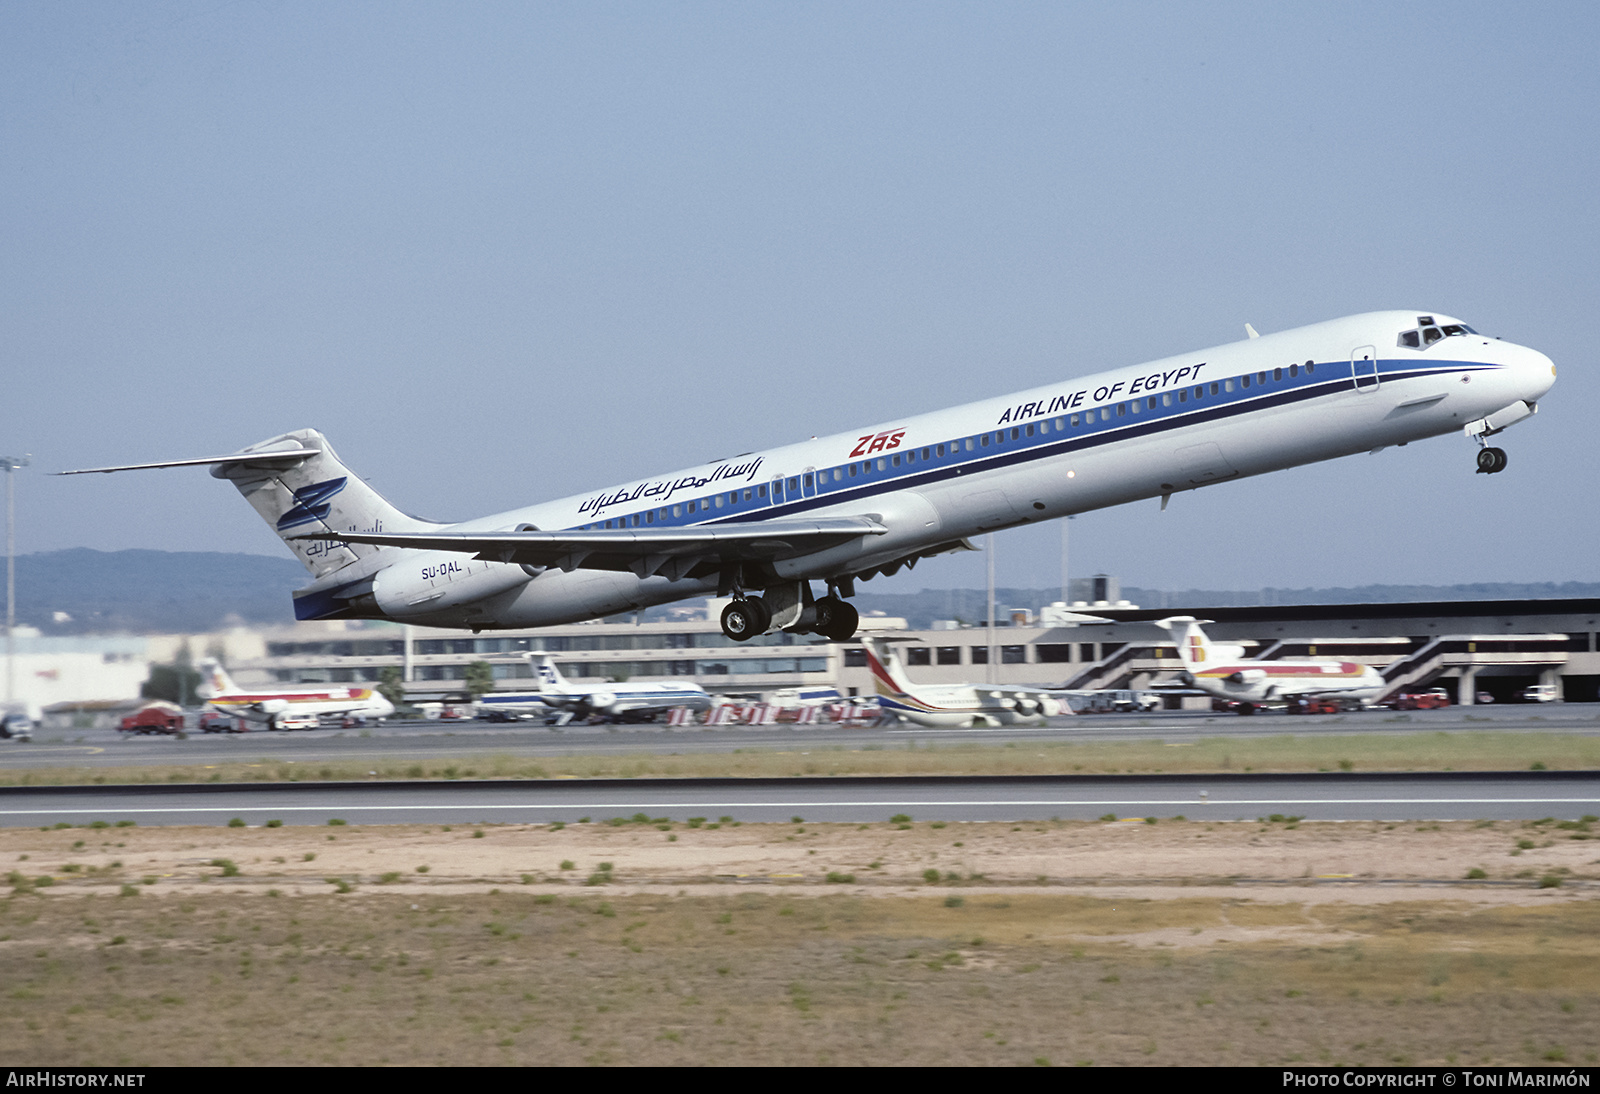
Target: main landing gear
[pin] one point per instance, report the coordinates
(836, 619)
(1491, 461)
(745, 618)
(833, 618)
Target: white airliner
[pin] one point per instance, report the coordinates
(963, 705)
(1222, 672)
(618, 700)
(274, 705)
(845, 508)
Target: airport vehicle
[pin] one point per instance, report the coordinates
(1321, 704)
(794, 698)
(1432, 699)
(16, 726)
(628, 701)
(157, 718)
(1541, 693)
(964, 705)
(1109, 701)
(213, 722)
(1220, 671)
(287, 708)
(761, 527)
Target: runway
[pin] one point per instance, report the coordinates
(424, 741)
(1334, 797)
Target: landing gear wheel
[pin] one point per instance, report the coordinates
(1244, 708)
(744, 619)
(1491, 461)
(837, 620)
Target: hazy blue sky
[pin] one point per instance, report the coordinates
(505, 252)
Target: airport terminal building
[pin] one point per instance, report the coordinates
(1479, 650)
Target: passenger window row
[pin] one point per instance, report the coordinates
(821, 482)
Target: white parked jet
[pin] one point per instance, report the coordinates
(964, 705)
(848, 507)
(1221, 671)
(273, 705)
(619, 700)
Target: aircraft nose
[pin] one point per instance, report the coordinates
(1537, 372)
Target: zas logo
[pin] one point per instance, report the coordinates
(311, 504)
(881, 442)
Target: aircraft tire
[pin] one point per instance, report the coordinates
(1245, 708)
(1491, 461)
(742, 620)
(840, 619)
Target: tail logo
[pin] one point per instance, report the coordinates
(311, 503)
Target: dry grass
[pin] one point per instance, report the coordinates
(660, 962)
(1455, 751)
(766, 978)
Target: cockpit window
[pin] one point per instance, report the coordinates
(1428, 332)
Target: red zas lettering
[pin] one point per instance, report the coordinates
(881, 442)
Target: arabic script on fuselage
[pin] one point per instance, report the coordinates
(665, 489)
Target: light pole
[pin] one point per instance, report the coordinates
(1066, 585)
(11, 463)
(989, 673)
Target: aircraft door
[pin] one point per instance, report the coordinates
(776, 486)
(1364, 368)
(808, 482)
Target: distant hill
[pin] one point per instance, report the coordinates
(154, 592)
(191, 592)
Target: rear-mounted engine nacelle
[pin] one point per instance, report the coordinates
(434, 581)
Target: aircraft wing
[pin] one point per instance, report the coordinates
(674, 553)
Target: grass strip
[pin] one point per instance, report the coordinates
(1435, 751)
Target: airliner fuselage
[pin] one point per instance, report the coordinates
(853, 505)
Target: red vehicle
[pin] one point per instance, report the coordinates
(158, 718)
(1432, 699)
(1323, 704)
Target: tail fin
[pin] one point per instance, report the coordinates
(1194, 648)
(549, 676)
(314, 493)
(214, 680)
(888, 676)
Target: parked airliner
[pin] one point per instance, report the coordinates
(637, 699)
(1221, 671)
(760, 527)
(272, 705)
(963, 705)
